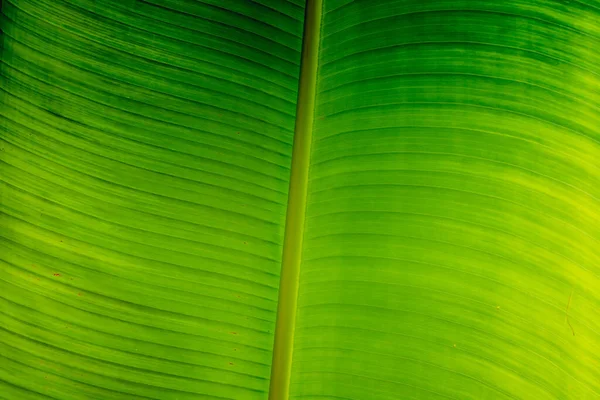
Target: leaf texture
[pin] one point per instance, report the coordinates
(451, 245)
(453, 226)
(145, 156)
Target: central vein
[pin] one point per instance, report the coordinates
(296, 208)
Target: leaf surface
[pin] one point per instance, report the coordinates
(146, 149)
(433, 222)
(451, 241)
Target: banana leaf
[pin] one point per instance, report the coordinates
(289, 199)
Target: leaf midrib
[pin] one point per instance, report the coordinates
(296, 207)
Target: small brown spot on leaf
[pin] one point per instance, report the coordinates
(233, 333)
(245, 242)
(78, 294)
(230, 363)
(56, 274)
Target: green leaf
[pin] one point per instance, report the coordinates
(337, 199)
(451, 242)
(146, 151)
